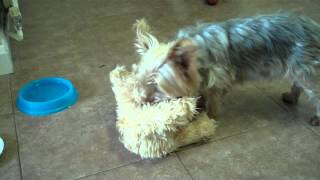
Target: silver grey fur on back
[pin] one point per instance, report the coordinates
(282, 44)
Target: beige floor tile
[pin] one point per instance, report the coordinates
(164, 169)
(274, 152)
(77, 142)
(9, 160)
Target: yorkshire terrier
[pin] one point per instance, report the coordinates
(207, 59)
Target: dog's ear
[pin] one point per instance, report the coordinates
(179, 75)
(144, 39)
(182, 54)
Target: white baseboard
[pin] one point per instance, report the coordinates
(6, 65)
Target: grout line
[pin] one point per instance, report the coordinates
(248, 130)
(107, 170)
(280, 105)
(141, 160)
(179, 158)
(127, 164)
(308, 126)
(311, 129)
(283, 107)
(15, 125)
(214, 141)
(183, 149)
(271, 98)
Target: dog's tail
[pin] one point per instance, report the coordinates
(312, 31)
(306, 53)
(311, 27)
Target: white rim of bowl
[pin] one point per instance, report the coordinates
(1, 145)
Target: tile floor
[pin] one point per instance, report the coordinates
(258, 136)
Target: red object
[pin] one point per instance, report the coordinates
(212, 2)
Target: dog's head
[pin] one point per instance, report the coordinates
(169, 69)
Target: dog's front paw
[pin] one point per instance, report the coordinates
(289, 98)
(315, 121)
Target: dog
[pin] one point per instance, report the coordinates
(205, 60)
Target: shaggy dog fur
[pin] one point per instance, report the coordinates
(207, 59)
(153, 131)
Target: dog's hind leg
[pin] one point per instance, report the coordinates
(292, 97)
(314, 97)
(313, 94)
(315, 120)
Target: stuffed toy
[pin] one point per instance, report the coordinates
(154, 130)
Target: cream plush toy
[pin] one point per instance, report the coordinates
(153, 131)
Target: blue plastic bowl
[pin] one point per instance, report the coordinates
(46, 96)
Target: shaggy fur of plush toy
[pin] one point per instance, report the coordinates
(154, 130)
